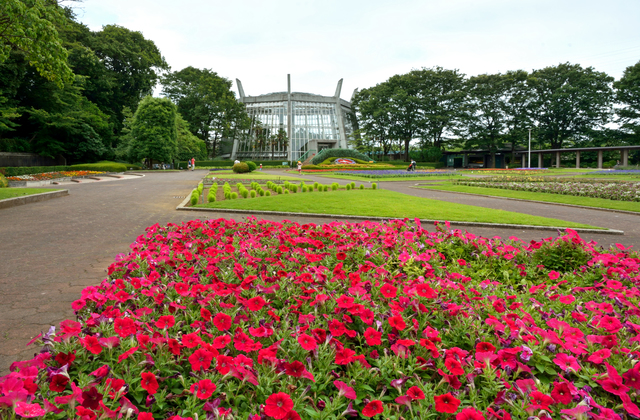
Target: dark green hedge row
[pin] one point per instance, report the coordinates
(229, 163)
(100, 166)
(348, 153)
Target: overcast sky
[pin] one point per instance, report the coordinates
(366, 42)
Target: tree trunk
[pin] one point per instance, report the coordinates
(406, 150)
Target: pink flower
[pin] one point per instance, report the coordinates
(345, 390)
(554, 275)
(29, 410)
(278, 405)
(566, 362)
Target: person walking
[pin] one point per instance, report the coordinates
(299, 167)
(193, 163)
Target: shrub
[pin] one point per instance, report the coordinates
(304, 189)
(234, 195)
(261, 192)
(252, 193)
(325, 188)
(348, 153)
(252, 166)
(315, 185)
(244, 193)
(194, 199)
(374, 186)
(335, 186)
(241, 168)
(3, 182)
(362, 186)
(286, 191)
(267, 193)
(348, 187)
(211, 198)
(294, 188)
(279, 190)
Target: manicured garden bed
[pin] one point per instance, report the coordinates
(260, 320)
(52, 175)
(384, 203)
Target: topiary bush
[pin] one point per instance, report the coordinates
(267, 193)
(335, 186)
(374, 186)
(3, 181)
(252, 166)
(234, 195)
(194, 199)
(348, 187)
(241, 168)
(361, 186)
(348, 153)
(252, 193)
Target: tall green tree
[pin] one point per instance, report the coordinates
(189, 146)
(154, 134)
(374, 119)
(29, 26)
(206, 102)
(568, 101)
(628, 94)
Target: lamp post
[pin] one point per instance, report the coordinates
(529, 148)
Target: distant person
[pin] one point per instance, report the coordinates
(299, 167)
(261, 166)
(193, 163)
(236, 161)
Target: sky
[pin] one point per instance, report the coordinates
(319, 42)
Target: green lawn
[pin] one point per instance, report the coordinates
(19, 192)
(538, 196)
(384, 203)
(627, 177)
(390, 178)
(252, 175)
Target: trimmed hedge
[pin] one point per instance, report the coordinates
(229, 163)
(100, 166)
(239, 168)
(348, 153)
(3, 182)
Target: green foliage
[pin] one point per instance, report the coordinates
(234, 195)
(261, 192)
(267, 193)
(153, 131)
(241, 168)
(206, 101)
(3, 182)
(327, 153)
(348, 187)
(104, 166)
(562, 256)
(252, 166)
(252, 193)
(304, 189)
(374, 186)
(335, 186)
(362, 186)
(189, 146)
(29, 26)
(194, 199)
(628, 93)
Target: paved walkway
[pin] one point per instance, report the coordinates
(53, 249)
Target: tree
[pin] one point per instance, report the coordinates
(628, 94)
(189, 146)
(206, 102)
(568, 101)
(154, 135)
(442, 101)
(29, 26)
(370, 108)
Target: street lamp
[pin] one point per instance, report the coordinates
(529, 148)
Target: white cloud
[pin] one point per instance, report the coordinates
(366, 42)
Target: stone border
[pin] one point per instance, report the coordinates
(33, 198)
(182, 206)
(533, 201)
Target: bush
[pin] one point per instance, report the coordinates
(348, 153)
(252, 166)
(3, 182)
(267, 193)
(286, 191)
(194, 199)
(348, 187)
(234, 195)
(279, 190)
(294, 188)
(353, 185)
(252, 193)
(211, 198)
(241, 168)
(335, 186)
(362, 186)
(245, 193)
(325, 188)
(374, 186)
(261, 192)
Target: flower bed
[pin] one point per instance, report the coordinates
(219, 319)
(52, 175)
(621, 190)
(396, 173)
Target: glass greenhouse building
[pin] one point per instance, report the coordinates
(292, 125)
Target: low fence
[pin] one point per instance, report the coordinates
(28, 159)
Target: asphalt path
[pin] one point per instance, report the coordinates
(51, 250)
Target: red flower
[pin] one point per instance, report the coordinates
(425, 291)
(446, 403)
(470, 413)
(145, 416)
(222, 321)
(255, 303)
(397, 322)
(292, 415)
(91, 398)
(346, 390)
(200, 359)
(375, 407)
(561, 393)
(454, 366)
(203, 389)
(632, 377)
(341, 256)
(166, 321)
(92, 344)
(58, 383)
(278, 405)
(223, 364)
(149, 382)
(191, 340)
(388, 291)
(307, 342)
(415, 393)
(484, 347)
(124, 327)
(65, 358)
(29, 410)
(373, 337)
(344, 356)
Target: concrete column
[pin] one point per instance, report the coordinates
(539, 160)
(625, 157)
(578, 160)
(599, 159)
(523, 161)
(557, 159)
(465, 160)
(289, 118)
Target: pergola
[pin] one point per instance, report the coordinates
(624, 154)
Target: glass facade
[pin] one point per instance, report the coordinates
(312, 121)
(267, 119)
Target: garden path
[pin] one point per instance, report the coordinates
(53, 249)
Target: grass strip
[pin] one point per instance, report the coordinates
(20, 192)
(385, 203)
(252, 175)
(390, 178)
(538, 196)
